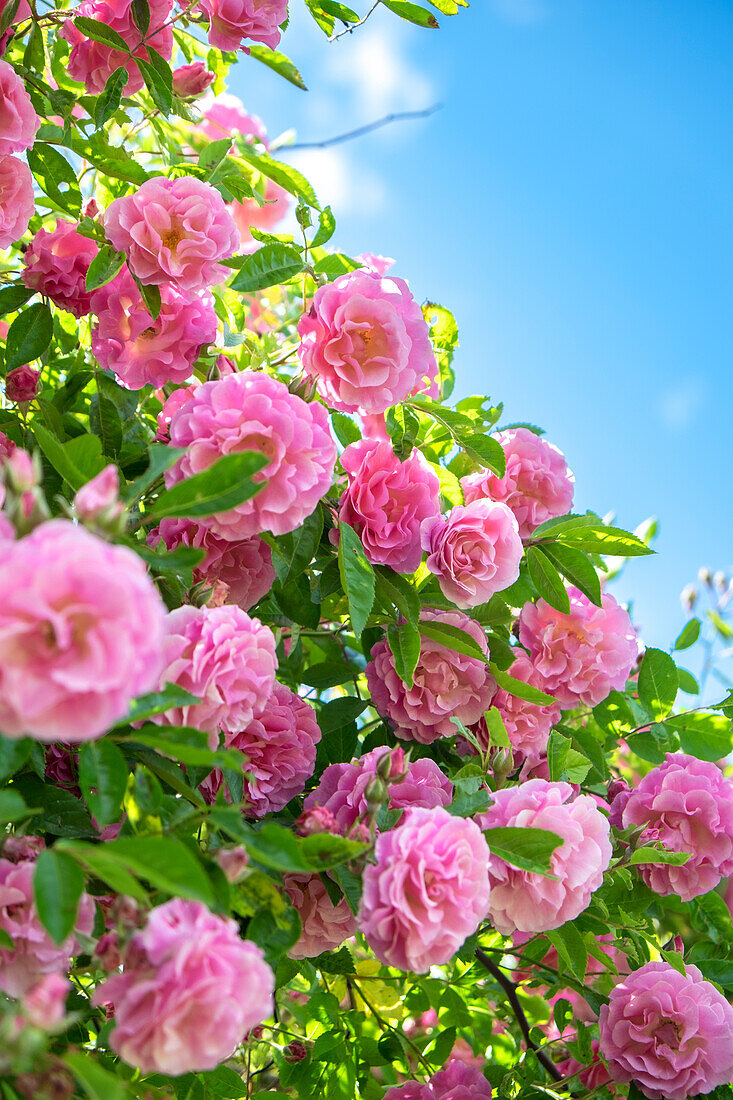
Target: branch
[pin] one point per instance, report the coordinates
(361, 23)
(397, 116)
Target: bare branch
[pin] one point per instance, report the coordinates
(353, 26)
(397, 116)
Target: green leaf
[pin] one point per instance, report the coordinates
(13, 297)
(278, 62)
(141, 14)
(57, 887)
(59, 455)
(13, 754)
(12, 807)
(558, 748)
(97, 860)
(452, 637)
(157, 702)
(599, 539)
(412, 13)
(166, 863)
(688, 635)
(150, 294)
(658, 682)
(526, 848)
(107, 103)
(103, 778)
(357, 577)
(97, 1082)
(223, 485)
(268, 266)
(570, 946)
(658, 855)
(688, 683)
(575, 567)
(105, 422)
(28, 336)
(496, 729)
(55, 176)
(294, 552)
(335, 264)
(284, 174)
(721, 626)
(547, 580)
(188, 746)
(345, 430)
(59, 813)
(158, 80)
(702, 734)
(100, 32)
(483, 449)
(105, 265)
(519, 689)
(326, 228)
(404, 642)
(395, 591)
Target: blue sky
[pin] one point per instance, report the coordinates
(571, 203)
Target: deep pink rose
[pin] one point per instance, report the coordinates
(189, 991)
(458, 1081)
(23, 13)
(171, 405)
(583, 656)
(325, 925)
(245, 567)
(174, 231)
(670, 1034)
(366, 344)
(21, 384)
(537, 484)
(474, 552)
(248, 213)
(232, 21)
(81, 633)
(62, 767)
(446, 684)
(17, 201)
(522, 901)
(342, 788)
(92, 63)
(386, 502)
(528, 725)
(34, 953)
(278, 750)
(689, 804)
(142, 351)
(250, 411)
(411, 1090)
(190, 81)
(428, 890)
(99, 500)
(56, 264)
(226, 116)
(18, 121)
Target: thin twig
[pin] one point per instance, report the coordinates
(396, 116)
(353, 26)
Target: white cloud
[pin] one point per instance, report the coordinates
(681, 403)
(340, 181)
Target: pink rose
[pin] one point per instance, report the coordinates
(522, 901)
(458, 1081)
(278, 751)
(62, 767)
(174, 231)
(342, 788)
(224, 658)
(474, 553)
(231, 21)
(386, 502)
(446, 684)
(99, 499)
(325, 925)
(18, 121)
(244, 567)
(178, 1003)
(7, 446)
(593, 1075)
(190, 81)
(688, 804)
(92, 63)
(225, 116)
(21, 384)
(233, 862)
(428, 890)
(17, 201)
(45, 1004)
(410, 1090)
(23, 13)
(527, 725)
(250, 411)
(671, 1034)
(372, 262)
(366, 344)
(249, 213)
(583, 656)
(537, 484)
(171, 405)
(56, 265)
(142, 351)
(81, 633)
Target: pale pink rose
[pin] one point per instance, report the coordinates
(232, 21)
(583, 656)
(386, 502)
(593, 1074)
(527, 725)
(475, 552)
(249, 213)
(174, 231)
(81, 633)
(670, 1034)
(224, 658)
(375, 427)
(18, 121)
(446, 684)
(245, 567)
(56, 264)
(462, 1052)
(342, 788)
(23, 13)
(17, 201)
(325, 925)
(366, 344)
(92, 63)
(99, 499)
(171, 405)
(458, 1081)
(688, 805)
(537, 484)
(278, 751)
(142, 351)
(178, 1003)
(522, 901)
(45, 1004)
(34, 953)
(373, 262)
(226, 116)
(21, 384)
(250, 411)
(233, 862)
(190, 81)
(428, 890)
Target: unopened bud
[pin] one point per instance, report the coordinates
(233, 862)
(392, 766)
(21, 384)
(502, 764)
(98, 502)
(295, 1051)
(190, 81)
(375, 793)
(705, 576)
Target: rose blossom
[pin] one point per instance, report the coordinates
(580, 657)
(250, 411)
(537, 484)
(474, 552)
(458, 1081)
(23, 13)
(178, 1003)
(21, 384)
(325, 925)
(17, 201)
(372, 262)
(18, 121)
(278, 750)
(428, 890)
(56, 264)
(342, 788)
(593, 1074)
(446, 684)
(387, 500)
(366, 344)
(244, 567)
(81, 632)
(672, 1034)
(173, 231)
(92, 63)
(45, 1004)
(410, 1090)
(522, 901)
(249, 212)
(226, 116)
(527, 725)
(231, 21)
(171, 405)
(99, 499)
(192, 80)
(688, 803)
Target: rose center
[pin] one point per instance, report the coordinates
(172, 239)
(669, 1033)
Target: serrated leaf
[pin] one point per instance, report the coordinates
(106, 264)
(222, 486)
(570, 946)
(599, 539)
(100, 32)
(452, 637)
(519, 688)
(650, 854)
(278, 62)
(98, 1083)
(57, 887)
(412, 13)
(658, 682)
(547, 580)
(29, 336)
(55, 176)
(103, 779)
(576, 568)
(270, 265)
(526, 848)
(357, 577)
(404, 642)
(107, 103)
